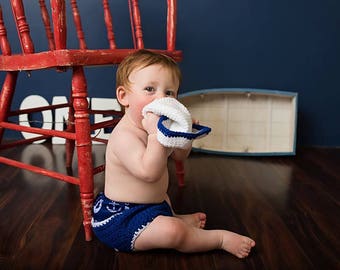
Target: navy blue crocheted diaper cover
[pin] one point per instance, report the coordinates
(118, 224)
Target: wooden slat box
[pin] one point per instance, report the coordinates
(245, 121)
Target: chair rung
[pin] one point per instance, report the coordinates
(48, 132)
(39, 170)
(104, 124)
(22, 142)
(38, 109)
(107, 112)
(58, 106)
(104, 141)
(99, 169)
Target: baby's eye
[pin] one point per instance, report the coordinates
(149, 89)
(170, 93)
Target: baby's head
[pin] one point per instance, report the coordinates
(141, 59)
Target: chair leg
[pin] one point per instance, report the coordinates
(70, 144)
(180, 173)
(84, 148)
(6, 97)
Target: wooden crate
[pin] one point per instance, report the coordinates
(245, 121)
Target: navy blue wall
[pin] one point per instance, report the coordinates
(282, 45)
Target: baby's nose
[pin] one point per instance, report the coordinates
(161, 95)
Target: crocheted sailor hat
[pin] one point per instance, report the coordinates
(175, 128)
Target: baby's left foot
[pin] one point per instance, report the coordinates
(197, 220)
(237, 244)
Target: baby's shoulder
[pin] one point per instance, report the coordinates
(125, 134)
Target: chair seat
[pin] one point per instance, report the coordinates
(69, 58)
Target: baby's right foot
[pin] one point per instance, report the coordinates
(197, 220)
(237, 244)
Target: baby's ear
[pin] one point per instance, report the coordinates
(121, 94)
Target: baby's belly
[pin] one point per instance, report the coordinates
(136, 191)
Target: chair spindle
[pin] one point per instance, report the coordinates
(109, 24)
(77, 23)
(22, 27)
(59, 23)
(4, 44)
(171, 25)
(47, 24)
(136, 25)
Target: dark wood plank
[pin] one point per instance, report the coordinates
(289, 205)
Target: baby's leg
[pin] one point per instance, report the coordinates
(197, 219)
(172, 232)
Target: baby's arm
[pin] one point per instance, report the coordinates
(154, 160)
(155, 155)
(145, 161)
(139, 155)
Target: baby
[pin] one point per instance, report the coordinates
(134, 213)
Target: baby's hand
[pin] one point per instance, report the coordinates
(150, 122)
(195, 121)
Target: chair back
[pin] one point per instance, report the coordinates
(56, 19)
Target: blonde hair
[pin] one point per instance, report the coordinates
(141, 59)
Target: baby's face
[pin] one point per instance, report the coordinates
(148, 84)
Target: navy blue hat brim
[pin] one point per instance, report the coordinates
(200, 130)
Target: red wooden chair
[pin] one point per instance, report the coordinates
(60, 58)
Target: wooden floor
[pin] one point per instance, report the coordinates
(289, 205)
